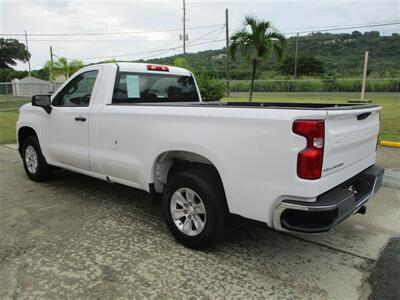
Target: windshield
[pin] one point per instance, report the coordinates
(145, 88)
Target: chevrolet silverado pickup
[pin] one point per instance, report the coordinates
(296, 167)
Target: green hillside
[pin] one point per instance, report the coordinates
(341, 55)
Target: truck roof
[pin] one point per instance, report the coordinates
(142, 68)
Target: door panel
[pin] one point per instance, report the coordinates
(67, 138)
(67, 127)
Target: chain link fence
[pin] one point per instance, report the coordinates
(383, 85)
(15, 94)
(27, 89)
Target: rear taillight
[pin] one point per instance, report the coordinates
(157, 68)
(309, 160)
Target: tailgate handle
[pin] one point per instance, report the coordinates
(363, 116)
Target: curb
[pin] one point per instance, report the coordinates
(390, 144)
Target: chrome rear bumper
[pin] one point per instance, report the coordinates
(330, 208)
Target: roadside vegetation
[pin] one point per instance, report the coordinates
(211, 88)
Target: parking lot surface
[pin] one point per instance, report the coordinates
(77, 237)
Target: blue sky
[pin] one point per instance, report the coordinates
(41, 16)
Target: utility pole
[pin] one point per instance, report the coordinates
(364, 75)
(227, 52)
(295, 56)
(27, 49)
(51, 63)
(184, 28)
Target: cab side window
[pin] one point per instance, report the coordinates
(77, 92)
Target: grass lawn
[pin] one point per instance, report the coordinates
(390, 115)
(10, 103)
(7, 127)
(8, 117)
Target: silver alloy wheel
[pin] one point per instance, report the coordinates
(31, 159)
(188, 211)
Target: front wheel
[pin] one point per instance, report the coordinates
(194, 208)
(35, 164)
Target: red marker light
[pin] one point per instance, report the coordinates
(157, 68)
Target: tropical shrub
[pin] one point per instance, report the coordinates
(211, 89)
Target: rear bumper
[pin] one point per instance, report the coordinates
(331, 207)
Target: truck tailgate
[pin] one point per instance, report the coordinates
(350, 136)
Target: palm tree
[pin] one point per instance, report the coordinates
(63, 67)
(257, 41)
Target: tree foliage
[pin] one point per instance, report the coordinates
(256, 42)
(10, 51)
(7, 75)
(306, 65)
(181, 62)
(341, 54)
(63, 67)
(211, 89)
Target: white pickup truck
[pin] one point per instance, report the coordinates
(296, 167)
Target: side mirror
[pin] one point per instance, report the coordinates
(43, 101)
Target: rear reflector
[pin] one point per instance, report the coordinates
(309, 160)
(157, 68)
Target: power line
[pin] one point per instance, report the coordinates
(332, 28)
(117, 41)
(107, 33)
(345, 27)
(217, 37)
(101, 41)
(158, 54)
(208, 41)
(160, 50)
(138, 53)
(189, 43)
(207, 34)
(340, 27)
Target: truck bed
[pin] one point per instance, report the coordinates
(270, 105)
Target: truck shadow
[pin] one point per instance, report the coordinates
(124, 227)
(241, 232)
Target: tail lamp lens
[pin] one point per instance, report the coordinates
(309, 160)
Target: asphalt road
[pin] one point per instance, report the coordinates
(77, 237)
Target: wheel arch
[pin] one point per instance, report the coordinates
(170, 162)
(23, 133)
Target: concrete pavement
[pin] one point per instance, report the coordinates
(78, 237)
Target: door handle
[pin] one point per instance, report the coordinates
(81, 119)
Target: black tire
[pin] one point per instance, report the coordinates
(207, 185)
(43, 171)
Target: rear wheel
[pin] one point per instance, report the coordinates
(35, 164)
(194, 208)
